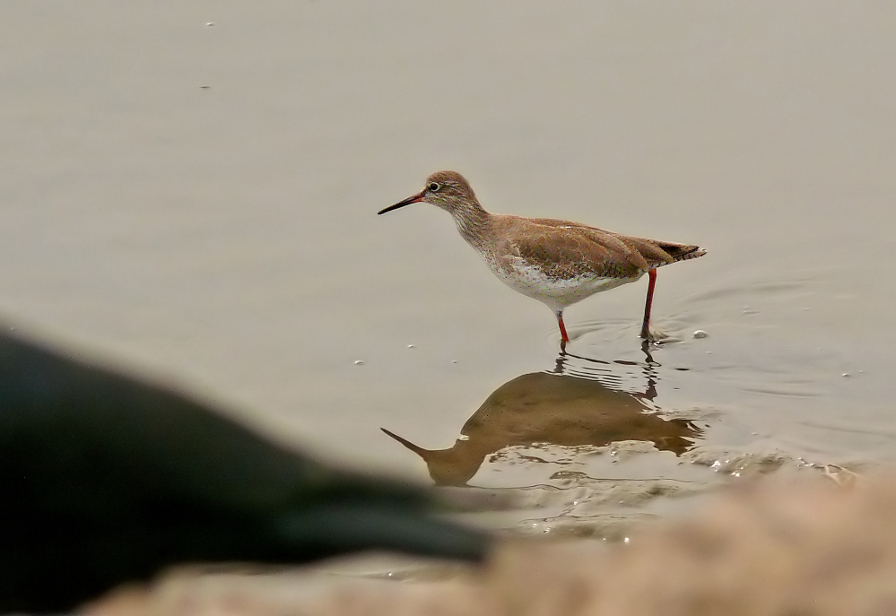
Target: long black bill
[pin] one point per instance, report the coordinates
(412, 199)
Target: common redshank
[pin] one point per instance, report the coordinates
(557, 262)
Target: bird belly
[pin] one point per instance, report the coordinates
(557, 292)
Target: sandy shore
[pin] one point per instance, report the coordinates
(808, 547)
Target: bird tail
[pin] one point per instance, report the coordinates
(681, 252)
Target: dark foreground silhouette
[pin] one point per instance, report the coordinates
(106, 479)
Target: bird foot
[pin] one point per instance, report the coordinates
(654, 336)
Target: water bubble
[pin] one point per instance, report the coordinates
(700, 334)
(359, 362)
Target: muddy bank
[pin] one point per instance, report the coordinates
(781, 546)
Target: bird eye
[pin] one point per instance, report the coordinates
(434, 186)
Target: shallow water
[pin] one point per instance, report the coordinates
(199, 201)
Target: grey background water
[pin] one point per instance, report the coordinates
(198, 202)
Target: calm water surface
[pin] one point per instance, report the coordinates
(192, 189)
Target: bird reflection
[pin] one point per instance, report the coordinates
(558, 408)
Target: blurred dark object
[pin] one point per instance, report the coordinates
(106, 479)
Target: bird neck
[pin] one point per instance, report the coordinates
(472, 222)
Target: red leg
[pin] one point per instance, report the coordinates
(645, 328)
(564, 338)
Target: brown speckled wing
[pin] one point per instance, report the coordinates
(563, 248)
(654, 252)
(568, 251)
